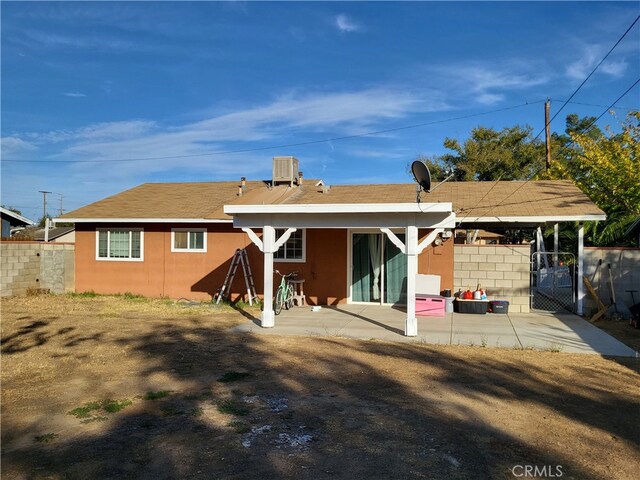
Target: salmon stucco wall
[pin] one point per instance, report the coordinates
(198, 276)
(192, 275)
(437, 260)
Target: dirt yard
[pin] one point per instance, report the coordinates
(115, 387)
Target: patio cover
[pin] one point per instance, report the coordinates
(387, 207)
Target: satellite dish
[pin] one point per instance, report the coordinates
(422, 175)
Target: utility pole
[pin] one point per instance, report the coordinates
(61, 197)
(44, 203)
(547, 129)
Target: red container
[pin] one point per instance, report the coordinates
(430, 305)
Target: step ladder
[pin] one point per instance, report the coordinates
(239, 258)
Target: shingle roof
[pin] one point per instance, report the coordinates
(469, 199)
(195, 200)
(205, 200)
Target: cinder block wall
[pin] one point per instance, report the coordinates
(625, 271)
(25, 265)
(502, 270)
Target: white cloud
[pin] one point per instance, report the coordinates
(74, 94)
(591, 56)
(12, 146)
(483, 83)
(346, 24)
(309, 115)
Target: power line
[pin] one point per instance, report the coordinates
(596, 105)
(585, 129)
(547, 123)
(273, 147)
(589, 76)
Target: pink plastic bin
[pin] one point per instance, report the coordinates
(430, 305)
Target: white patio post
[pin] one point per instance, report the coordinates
(581, 293)
(411, 243)
(268, 248)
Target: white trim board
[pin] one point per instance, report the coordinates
(556, 218)
(140, 220)
(332, 208)
(346, 220)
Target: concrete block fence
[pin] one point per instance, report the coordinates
(504, 272)
(30, 265)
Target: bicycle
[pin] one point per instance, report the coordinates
(284, 293)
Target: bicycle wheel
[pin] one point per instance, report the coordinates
(289, 297)
(278, 301)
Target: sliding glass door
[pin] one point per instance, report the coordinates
(379, 270)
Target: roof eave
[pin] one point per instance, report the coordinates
(142, 220)
(444, 207)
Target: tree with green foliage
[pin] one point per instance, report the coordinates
(606, 167)
(508, 154)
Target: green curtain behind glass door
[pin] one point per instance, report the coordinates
(361, 290)
(395, 269)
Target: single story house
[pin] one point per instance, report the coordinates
(12, 221)
(350, 243)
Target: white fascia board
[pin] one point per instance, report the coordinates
(345, 220)
(558, 218)
(17, 216)
(141, 220)
(443, 207)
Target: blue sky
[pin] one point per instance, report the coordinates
(87, 83)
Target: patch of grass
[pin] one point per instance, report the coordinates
(232, 376)
(46, 438)
(89, 411)
(85, 411)
(113, 406)
(35, 292)
(134, 297)
(157, 395)
(239, 426)
(96, 418)
(196, 412)
(554, 347)
(230, 407)
(87, 294)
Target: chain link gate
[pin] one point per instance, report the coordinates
(552, 277)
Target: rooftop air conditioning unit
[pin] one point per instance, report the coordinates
(285, 170)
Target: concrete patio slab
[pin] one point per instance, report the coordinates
(561, 332)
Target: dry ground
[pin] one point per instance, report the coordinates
(309, 408)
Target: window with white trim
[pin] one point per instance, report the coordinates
(120, 244)
(293, 249)
(188, 240)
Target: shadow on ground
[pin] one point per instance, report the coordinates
(334, 408)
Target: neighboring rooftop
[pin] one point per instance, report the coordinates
(16, 218)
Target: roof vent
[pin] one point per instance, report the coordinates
(285, 170)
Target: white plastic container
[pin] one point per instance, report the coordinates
(448, 307)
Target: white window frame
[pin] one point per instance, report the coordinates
(189, 250)
(114, 259)
(304, 249)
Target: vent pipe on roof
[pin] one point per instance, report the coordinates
(243, 182)
(239, 190)
(300, 178)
